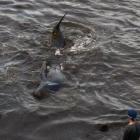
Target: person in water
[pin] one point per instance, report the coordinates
(132, 130)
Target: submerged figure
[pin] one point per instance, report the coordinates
(58, 40)
(132, 131)
(52, 79)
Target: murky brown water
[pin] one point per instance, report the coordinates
(104, 44)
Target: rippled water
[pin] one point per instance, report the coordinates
(103, 42)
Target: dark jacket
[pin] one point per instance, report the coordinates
(132, 132)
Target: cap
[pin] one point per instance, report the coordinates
(132, 113)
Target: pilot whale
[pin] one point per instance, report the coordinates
(57, 39)
(52, 79)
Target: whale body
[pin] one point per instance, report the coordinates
(52, 79)
(58, 40)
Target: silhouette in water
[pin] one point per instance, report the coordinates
(58, 40)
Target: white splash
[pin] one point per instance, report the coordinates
(81, 44)
(57, 52)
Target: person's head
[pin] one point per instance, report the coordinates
(132, 114)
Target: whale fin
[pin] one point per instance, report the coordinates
(58, 24)
(44, 71)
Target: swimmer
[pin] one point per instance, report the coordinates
(132, 131)
(58, 40)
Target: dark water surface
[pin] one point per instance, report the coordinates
(105, 46)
